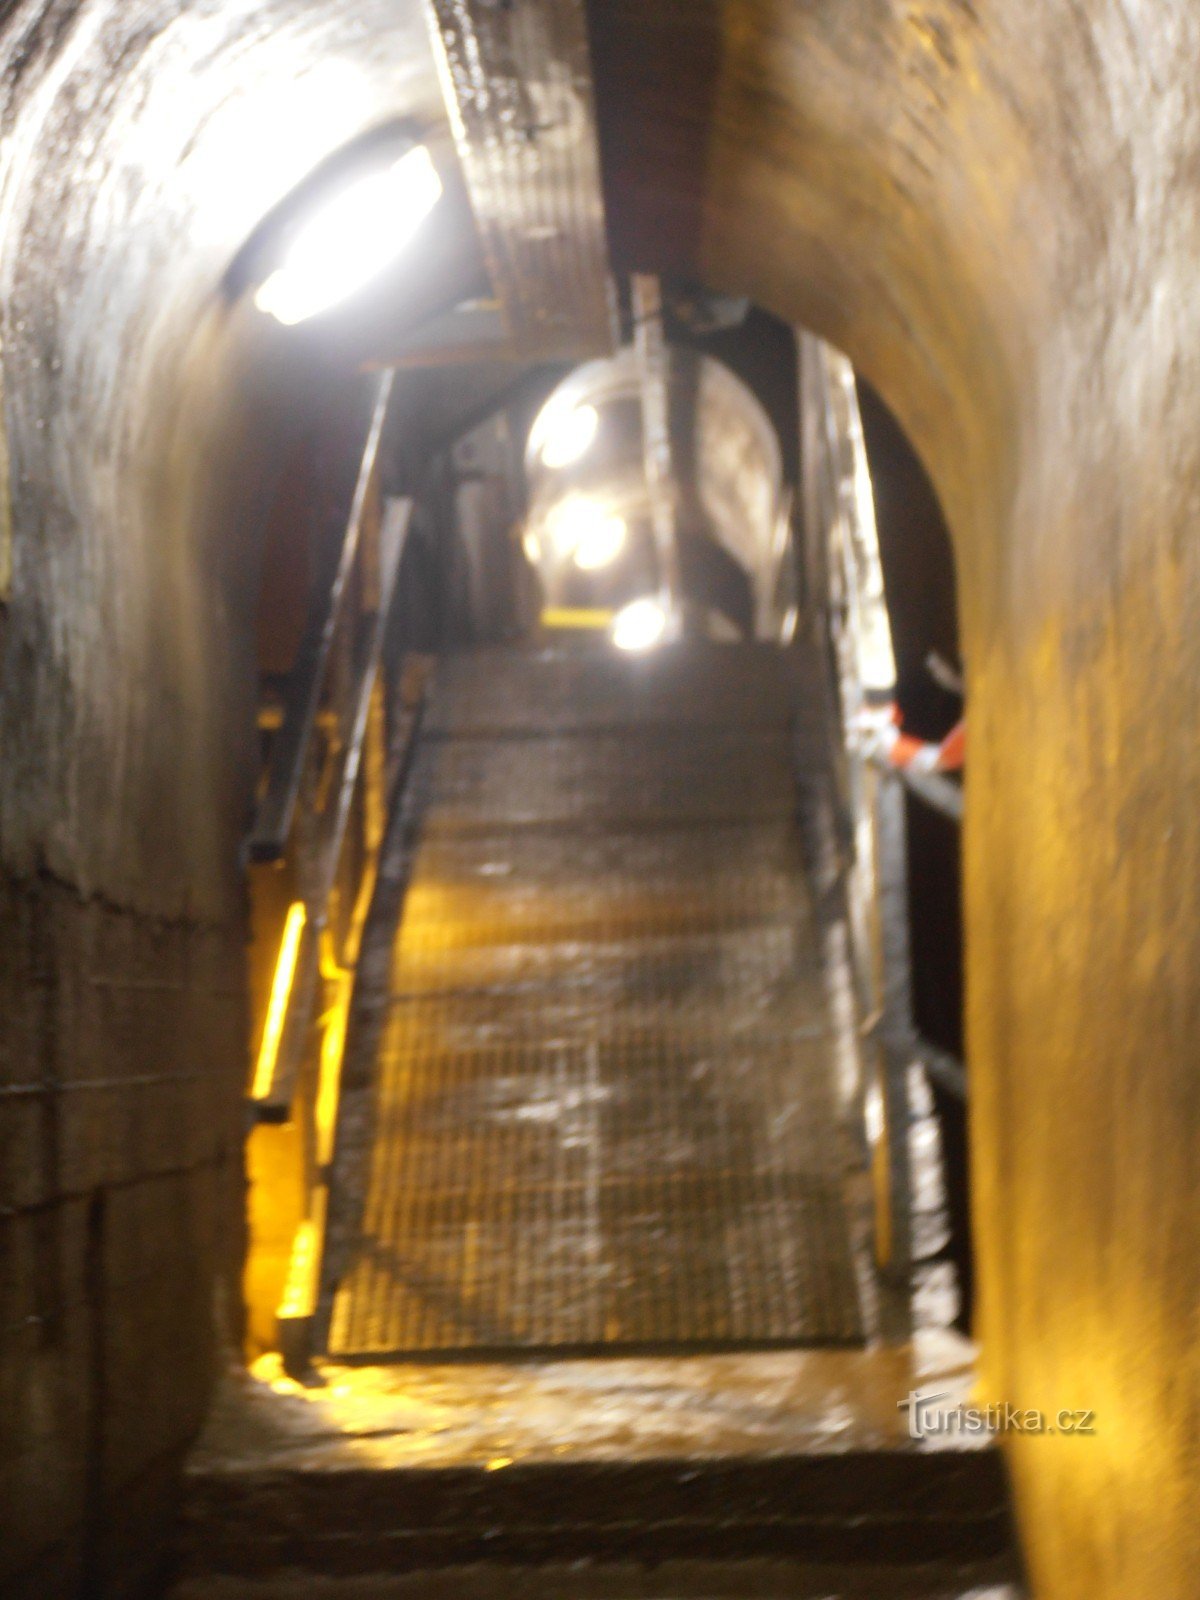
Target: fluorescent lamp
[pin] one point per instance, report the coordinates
(640, 625)
(352, 238)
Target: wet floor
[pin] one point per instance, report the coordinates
(779, 1473)
(639, 1408)
(604, 1110)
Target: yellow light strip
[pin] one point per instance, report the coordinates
(362, 905)
(281, 992)
(576, 617)
(300, 1289)
(333, 1043)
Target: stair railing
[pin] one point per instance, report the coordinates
(313, 848)
(846, 609)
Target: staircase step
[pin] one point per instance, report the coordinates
(542, 691)
(844, 1508)
(403, 1468)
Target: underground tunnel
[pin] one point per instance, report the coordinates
(309, 707)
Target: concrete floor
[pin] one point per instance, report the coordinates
(781, 1472)
(632, 1408)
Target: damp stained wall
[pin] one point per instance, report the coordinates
(994, 207)
(147, 423)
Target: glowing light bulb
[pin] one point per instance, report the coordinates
(585, 530)
(600, 542)
(568, 436)
(640, 625)
(352, 238)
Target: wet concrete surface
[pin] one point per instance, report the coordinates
(670, 1580)
(481, 1414)
(803, 1456)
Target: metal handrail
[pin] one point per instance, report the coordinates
(319, 864)
(276, 812)
(653, 364)
(393, 535)
(938, 791)
(837, 566)
(942, 1067)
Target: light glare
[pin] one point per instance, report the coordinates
(352, 238)
(569, 436)
(600, 543)
(581, 528)
(277, 1006)
(639, 625)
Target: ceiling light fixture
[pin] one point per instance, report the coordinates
(352, 238)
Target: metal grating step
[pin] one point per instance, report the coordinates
(642, 1192)
(613, 781)
(753, 867)
(604, 1112)
(576, 690)
(529, 1014)
(668, 970)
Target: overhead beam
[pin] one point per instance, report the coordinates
(518, 85)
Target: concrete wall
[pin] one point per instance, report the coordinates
(992, 205)
(118, 1157)
(146, 423)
